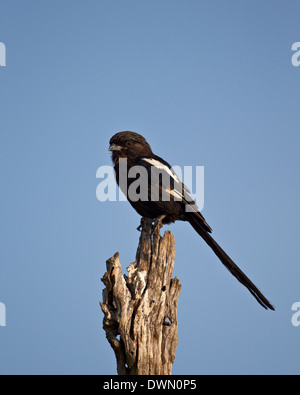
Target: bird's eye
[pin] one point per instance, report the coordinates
(128, 143)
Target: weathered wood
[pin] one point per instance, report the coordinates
(140, 309)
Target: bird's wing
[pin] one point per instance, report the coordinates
(163, 178)
(164, 183)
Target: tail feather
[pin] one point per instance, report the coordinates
(197, 224)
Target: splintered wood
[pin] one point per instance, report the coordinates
(140, 309)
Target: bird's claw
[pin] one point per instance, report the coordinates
(157, 222)
(141, 225)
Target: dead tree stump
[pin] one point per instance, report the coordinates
(140, 309)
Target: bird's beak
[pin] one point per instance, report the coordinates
(114, 147)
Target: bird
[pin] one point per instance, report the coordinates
(155, 191)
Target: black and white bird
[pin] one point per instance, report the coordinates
(155, 191)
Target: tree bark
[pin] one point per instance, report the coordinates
(140, 309)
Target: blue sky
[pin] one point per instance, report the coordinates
(208, 84)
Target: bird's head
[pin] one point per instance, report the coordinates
(128, 145)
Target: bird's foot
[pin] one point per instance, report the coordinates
(157, 222)
(143, 221)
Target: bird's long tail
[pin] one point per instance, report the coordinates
(197, 224)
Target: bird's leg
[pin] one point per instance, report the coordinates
(140, 227)
(143, 220)
(158, 222)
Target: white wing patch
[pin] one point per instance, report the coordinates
(159, 165)
(180, 191)
(176, 194)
